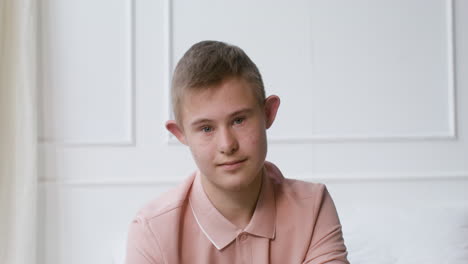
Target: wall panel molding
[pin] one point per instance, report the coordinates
(332, 178)
(130, 90)
(319, 138)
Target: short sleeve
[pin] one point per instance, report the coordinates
(142, 246)
(327, 245)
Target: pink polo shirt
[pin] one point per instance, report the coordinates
(293, 222)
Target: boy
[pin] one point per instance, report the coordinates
(237, 208)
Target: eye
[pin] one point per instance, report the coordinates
(238, 120)
(206, 129)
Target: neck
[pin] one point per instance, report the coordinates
(237, 206)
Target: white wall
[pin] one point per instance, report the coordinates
(374, 103)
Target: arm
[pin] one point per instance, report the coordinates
(142, 247)
(327, 245)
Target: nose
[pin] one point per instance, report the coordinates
(227, 142)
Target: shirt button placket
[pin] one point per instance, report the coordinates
(245, 250)
(243, 237)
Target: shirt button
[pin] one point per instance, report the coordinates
(243, 237)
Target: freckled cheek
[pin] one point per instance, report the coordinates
(255, 137)
(202, 152)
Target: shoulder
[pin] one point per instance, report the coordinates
(291, 188)
(152, 227)
(302, 190)
(168, 202)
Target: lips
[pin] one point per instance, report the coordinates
(232, 166)
(230, 163)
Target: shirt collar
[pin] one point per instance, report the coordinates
(220, 231)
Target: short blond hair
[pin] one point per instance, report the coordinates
(208, 63)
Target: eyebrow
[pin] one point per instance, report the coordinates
(206, 120)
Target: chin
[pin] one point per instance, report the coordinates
(239, 181)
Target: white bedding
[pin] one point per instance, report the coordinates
(406, 235)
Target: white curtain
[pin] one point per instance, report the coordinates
(18, 133)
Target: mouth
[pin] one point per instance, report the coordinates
(231, 165)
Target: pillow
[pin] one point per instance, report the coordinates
(406, 235)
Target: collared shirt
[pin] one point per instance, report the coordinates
(293, 222)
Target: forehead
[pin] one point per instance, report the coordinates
(219, 100)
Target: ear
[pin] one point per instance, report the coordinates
(272, 104)
(174, 128)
